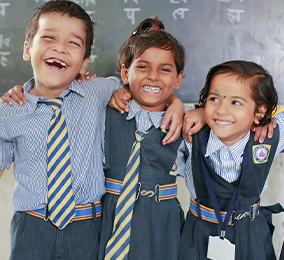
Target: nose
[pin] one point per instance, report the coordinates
(59, 47)
(223, 108)
(153, 75)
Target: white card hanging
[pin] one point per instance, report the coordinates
(220, 249)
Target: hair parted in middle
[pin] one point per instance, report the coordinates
(150, 33)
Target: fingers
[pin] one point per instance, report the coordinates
(127, 96)
(16, 94)
(118, 102)
(87, 76)
(172, 135)
(190, 129)
(188, 125)
(262, 132)
(174, 128)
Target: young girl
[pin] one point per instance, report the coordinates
(228, 170)
(151, 63)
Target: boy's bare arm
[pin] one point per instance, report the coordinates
(173, 119)
(193, 121)
(1, 172)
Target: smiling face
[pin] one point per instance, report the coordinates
(152, 77)
(57, 53)
(229, 109)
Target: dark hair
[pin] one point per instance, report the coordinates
(150, 33)
(69, 9)
(263, 91)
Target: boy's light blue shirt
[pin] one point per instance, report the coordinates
(227, 160)
(23, 140)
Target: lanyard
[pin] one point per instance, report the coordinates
(212, 195)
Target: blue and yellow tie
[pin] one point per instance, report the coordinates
(118, 246)
(61, 204)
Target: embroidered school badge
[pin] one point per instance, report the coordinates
(260, 153)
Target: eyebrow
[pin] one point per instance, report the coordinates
(72, 34)
(163, 64)
(232, 97)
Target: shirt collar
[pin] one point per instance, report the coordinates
(214, 145)
(136, 111)
(33, 100)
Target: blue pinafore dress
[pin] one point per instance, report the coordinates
(156, 226)
(252, 237)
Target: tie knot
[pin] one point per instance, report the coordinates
(139, 135)
(55, 103)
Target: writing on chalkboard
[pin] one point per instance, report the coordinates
(3, 8)
(234, 15)
(4, 42)
(178, 1)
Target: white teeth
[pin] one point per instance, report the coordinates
(63, 64)
(223, 122)
(152, 89)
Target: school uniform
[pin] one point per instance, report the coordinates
(250, 233)
(155, 225)
(23, 140)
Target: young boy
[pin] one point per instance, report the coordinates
(58, 54)
(58, 43)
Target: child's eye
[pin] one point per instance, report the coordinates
(48, 37)
(237, 103)
(142, 67)
(166, 69)
(213, 99)
(75, 43)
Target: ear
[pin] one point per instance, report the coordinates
(124, 74)
(260, 114)
(84, 66)
(178, 81)
(26, 52)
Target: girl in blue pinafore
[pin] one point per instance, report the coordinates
(228, 170)
(151, 63)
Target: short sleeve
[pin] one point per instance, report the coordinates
(111, 84)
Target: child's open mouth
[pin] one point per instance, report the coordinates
(56, 64)
(151, 89)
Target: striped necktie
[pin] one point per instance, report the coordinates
(118, 245)
(61, 204)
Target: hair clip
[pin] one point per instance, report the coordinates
(134, 33)
(155, 27)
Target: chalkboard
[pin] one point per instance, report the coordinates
(212, 31)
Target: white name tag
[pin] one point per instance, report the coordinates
(220, 249)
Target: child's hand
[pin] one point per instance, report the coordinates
(15, 93)
(174, 115)
(119, 100)
(193, 121)
(262, 131)
(86, 76)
